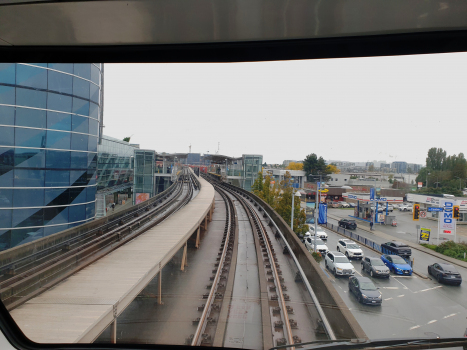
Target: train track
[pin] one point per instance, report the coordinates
(266, 250)
(35, 274)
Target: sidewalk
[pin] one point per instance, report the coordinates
(387, 237)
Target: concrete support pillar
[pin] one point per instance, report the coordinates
(159, 294)
(197, 236)
(184, 258)
(113, 332)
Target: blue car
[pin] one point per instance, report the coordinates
(397, 265)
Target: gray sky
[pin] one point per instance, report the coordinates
(359, 109)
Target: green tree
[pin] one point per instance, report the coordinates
(435, 159)
(127, 139)
(310, 163)
(257, 187)
(284, 206)
(371, 168)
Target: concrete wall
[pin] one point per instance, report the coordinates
(341, 319)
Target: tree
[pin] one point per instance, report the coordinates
(391, 178)
(371, 168)
(310, 163)
(409, 170)
(332, 169)
(435, 159)
(295, 166)
(127, 139)
(284, 206)
(257, 187)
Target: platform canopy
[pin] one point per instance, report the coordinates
(220, 159)
(170, 157)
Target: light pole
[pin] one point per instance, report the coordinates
(457, 177)
(293, 195)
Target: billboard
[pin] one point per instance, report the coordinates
(420, 184)
(141, 197)
(425, 234)
(446, 221)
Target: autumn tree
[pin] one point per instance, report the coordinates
(332, 169)
(295, 166)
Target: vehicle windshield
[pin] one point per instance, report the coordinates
(171, 224)
(397, 260)
(377, 262)
(367, 286)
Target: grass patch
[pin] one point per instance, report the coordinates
(449, 248)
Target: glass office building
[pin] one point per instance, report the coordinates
(252, 164)
(145, 167)
(115, 164)
(49, 127)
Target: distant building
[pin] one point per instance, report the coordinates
(399, 167)
(287, 162)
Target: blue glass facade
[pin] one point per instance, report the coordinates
(49, 126)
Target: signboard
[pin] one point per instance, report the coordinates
(425, 234)
(420, 184)
(446, 222)
(434, 209)
(141, 197)
(381, 217)
(372, 194)
(323, 213)
(423, 214)
(355, 211)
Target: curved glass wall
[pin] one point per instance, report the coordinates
(49, 125)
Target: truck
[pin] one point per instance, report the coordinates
(396, 248)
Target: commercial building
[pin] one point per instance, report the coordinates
(399, 167)
(115, 162)
(49, 126)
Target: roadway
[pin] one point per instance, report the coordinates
(412, 306)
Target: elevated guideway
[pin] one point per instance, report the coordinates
(81, 307)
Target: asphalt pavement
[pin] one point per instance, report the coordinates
(412, 306)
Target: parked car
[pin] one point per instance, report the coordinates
(375, 267)
(403, 207)
(397, 265)
(396, 206)
(339, 264)
(321, 233)
(343, 205)
(365, 291)
(310, 220)
(320, 245)
(353, 205)
(349, 248)
(396, 248)
(332, 204)
(347, 223)
(445, 273)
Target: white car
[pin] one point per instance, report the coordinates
(320, 245)
(343, 205)
(339, 264)
(321, 234)
(350, 249)
(403, 207)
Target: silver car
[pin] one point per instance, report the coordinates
(375, 267)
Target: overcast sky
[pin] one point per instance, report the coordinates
(358, 109)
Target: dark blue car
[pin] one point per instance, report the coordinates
(397, 265)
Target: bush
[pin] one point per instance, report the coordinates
(317, 255)
(430, 246)
(450, 248)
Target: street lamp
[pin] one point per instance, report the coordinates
(296, 194)
(457, 177)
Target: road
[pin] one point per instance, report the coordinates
(412, 306)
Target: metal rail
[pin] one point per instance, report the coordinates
(326, 324)
(23, 263)
(32, 282)
(228, 232)
(263, 233)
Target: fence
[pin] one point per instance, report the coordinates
(365, 241)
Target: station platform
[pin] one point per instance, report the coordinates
(78, 309)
